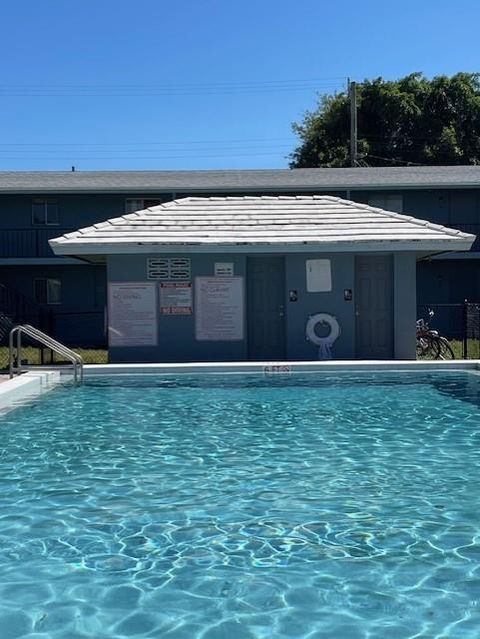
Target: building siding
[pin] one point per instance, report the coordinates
(176, 334)
(83, 286)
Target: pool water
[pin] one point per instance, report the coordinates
(233, 506)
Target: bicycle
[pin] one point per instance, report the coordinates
(430, 344)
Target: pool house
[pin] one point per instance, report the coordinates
(269, 278)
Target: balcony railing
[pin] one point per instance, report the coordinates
(29, 242)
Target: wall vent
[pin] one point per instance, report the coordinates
(169, 268)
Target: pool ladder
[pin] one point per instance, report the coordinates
(15, 365)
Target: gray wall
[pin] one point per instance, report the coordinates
(80, 318)
(404, 305)
(177, 333)
(455, 207)
(440, 281)
(459, 208)
(21, 238)
(447, 283)
(298, 347)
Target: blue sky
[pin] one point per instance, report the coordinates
(153, 84)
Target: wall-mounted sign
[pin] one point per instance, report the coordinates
(319, 276)
(223, 269)
(132, 314)
(219, 308)
(176, 298)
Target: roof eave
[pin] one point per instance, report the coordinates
(114, 248)
(134, 189)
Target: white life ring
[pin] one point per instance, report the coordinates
(322, 318)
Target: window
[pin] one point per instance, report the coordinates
(47, 291)
(387, 201)
(133, 204)
(45, 212)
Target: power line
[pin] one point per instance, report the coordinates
(140, 150)
(102, 85)
(73, 158)
(159, 90)
(99, 153)
(151, 142)
(180, 86)
(154, 149)
(395, 161)
(167, 94)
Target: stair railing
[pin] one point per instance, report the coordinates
(25, 329)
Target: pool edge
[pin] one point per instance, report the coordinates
(280, 367)
(27, 386)
(39, 381)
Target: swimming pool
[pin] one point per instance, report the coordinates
(240, 506)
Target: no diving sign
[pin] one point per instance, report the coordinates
(176, 298)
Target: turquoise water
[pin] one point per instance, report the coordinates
(240, 507)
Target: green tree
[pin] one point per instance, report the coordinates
(408, 121)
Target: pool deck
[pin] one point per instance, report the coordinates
(27, 386)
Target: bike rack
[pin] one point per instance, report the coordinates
(25, 329)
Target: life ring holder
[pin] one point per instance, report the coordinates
(324, 343)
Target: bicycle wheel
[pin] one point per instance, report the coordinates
(446, 351)
(428, 347)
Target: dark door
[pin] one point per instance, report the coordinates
(265, 307)
(374, 306)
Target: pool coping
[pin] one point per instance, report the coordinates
(279, 367)
(36, 382)
(27, 386)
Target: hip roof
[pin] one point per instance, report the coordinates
(242, 223)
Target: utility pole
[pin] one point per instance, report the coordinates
(352, 90)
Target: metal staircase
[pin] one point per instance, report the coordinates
(15, 350)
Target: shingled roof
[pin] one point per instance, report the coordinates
(270, 223)
(275, 180)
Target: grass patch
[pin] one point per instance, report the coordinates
(100, 355)
(473, 348)
(32, 354)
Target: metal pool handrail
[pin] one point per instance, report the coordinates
(74, 358)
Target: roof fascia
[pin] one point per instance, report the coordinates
(340, 247)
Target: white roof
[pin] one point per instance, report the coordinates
(246, 224)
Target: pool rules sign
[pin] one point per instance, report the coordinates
(219, 308)
(132, 314)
